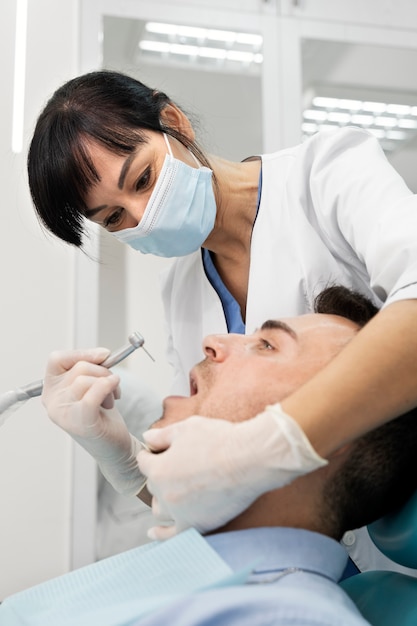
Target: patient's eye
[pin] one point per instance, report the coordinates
(265, 345)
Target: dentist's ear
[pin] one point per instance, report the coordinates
(173, 117)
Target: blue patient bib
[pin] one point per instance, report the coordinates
(130, 585)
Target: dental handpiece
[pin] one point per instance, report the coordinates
(23, 393)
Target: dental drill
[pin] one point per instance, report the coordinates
(11, 400)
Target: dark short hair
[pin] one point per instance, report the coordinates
(339, 300)
(378, 477)
(112, 109)
(380, 472)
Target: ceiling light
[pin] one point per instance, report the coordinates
(154, 46)
(226, 49)
(398, 109)
(392, 123)
(389, 122)
(315, 114)
(362, 119)
(212, 53)
(406, 122)
(340, 117)
(374, 107)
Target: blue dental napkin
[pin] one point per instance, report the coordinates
(130, 585)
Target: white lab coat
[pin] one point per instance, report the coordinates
(332, 211)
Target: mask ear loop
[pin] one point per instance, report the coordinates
(168, 146)
(195, 159)
(170, 151)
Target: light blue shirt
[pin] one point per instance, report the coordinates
(277, 576)
(294, 584)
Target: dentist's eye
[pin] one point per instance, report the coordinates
(114, 218)
(143, 180)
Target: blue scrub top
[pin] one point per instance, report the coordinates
(234, 321)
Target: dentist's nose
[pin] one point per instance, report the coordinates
(134, 212)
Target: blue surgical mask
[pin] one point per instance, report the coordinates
(180, 213)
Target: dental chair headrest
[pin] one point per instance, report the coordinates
(388, 598)
(396, 534)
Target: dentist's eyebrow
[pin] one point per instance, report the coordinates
(125, 169)
(89, 213)
(278, 325)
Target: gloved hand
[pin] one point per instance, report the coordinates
(212, 470)
(78, 395)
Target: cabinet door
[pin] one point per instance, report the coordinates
(390, 13)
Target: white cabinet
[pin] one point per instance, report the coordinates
(386, 13)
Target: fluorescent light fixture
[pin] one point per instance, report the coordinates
(225, 48)
(309, 128)
(315, 114)
(398, 109)
(362, 119)
(379, 134)
(204, 52)
(374, 107)
(406, 122)
(176, 48)
(326, 103)
(337, 103)
(19, 77)
(386, 122)
(396, 135)
(392, 123)
(160, 29)
(196, 32)
(243, 57)
(220, 35)
(155, 46)
(212, 53)
(340, 117)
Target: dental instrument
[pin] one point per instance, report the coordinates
(11, 400)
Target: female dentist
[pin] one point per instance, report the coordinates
(256, 240)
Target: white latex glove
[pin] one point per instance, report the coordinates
(78, 395)
(212, 470)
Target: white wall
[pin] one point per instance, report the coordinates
(36, 315)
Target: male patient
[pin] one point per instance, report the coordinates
(291, 534)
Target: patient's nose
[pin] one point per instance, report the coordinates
(219, 347)
(214, 347)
